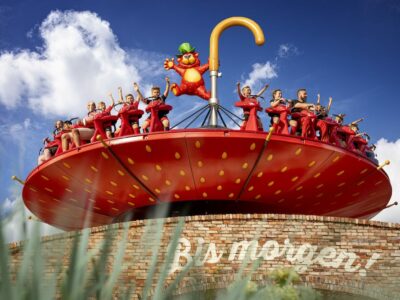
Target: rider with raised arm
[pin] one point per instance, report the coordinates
(156, 96)
(245, 95)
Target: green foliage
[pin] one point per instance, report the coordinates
(94, 273)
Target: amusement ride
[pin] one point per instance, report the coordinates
(318, 167)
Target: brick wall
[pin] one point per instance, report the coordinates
(356, 256)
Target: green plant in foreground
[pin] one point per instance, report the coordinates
(91, 274)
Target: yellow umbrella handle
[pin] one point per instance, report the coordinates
(225, 24)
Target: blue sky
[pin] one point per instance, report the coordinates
(345, 49)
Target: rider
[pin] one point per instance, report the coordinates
(299, 105)
(48, 152)
(84, 130)
(245, 95)
(155, 96)
(105, 111)
(276, 101)
(133, 105)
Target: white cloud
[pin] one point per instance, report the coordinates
(286, 50)
(259, 74)
(80, 60)
(387, 150)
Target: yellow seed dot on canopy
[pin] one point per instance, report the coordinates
(151, 199)
(182, 173)
(271, 183)
(284, 169)
(202, 179)
(135, 186)
(237, 181)
(320, 186)
(231, 195)
(317, 175)
(251, 188)
(110, 201)
(224, 155)
(148, 148)
(113, 183)
(176, 196)
(109, 192)
(187, 188)
(130, 161)
(121, 173)
(295, 178)
(65, 177)
(298, 151)
(200, 164)
(336, 158)
(219, 188)
(158, 167)
(44, 177)
(197, 144)
(94, 169)
(221, 173)
(205, 195)
(167, 182)
(131, 203)
(177, 155)
(253, 146)
(299, 188)
(66, 165)
(258, 196)
(105, 155)
(278, 192)
(269, 157)
(132, 196)
(145, 177)
(312, 163)
(340, 173)
(245, 165)
(157, 191)
(363, 171)
(260, 174)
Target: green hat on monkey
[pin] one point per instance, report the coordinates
(185, 48)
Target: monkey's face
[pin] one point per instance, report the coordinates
(189, 60)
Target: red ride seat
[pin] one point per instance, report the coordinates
(307, 120)
(154, 108)
(252, 107)
(129, 114)
(283, 111)
(102, 122)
